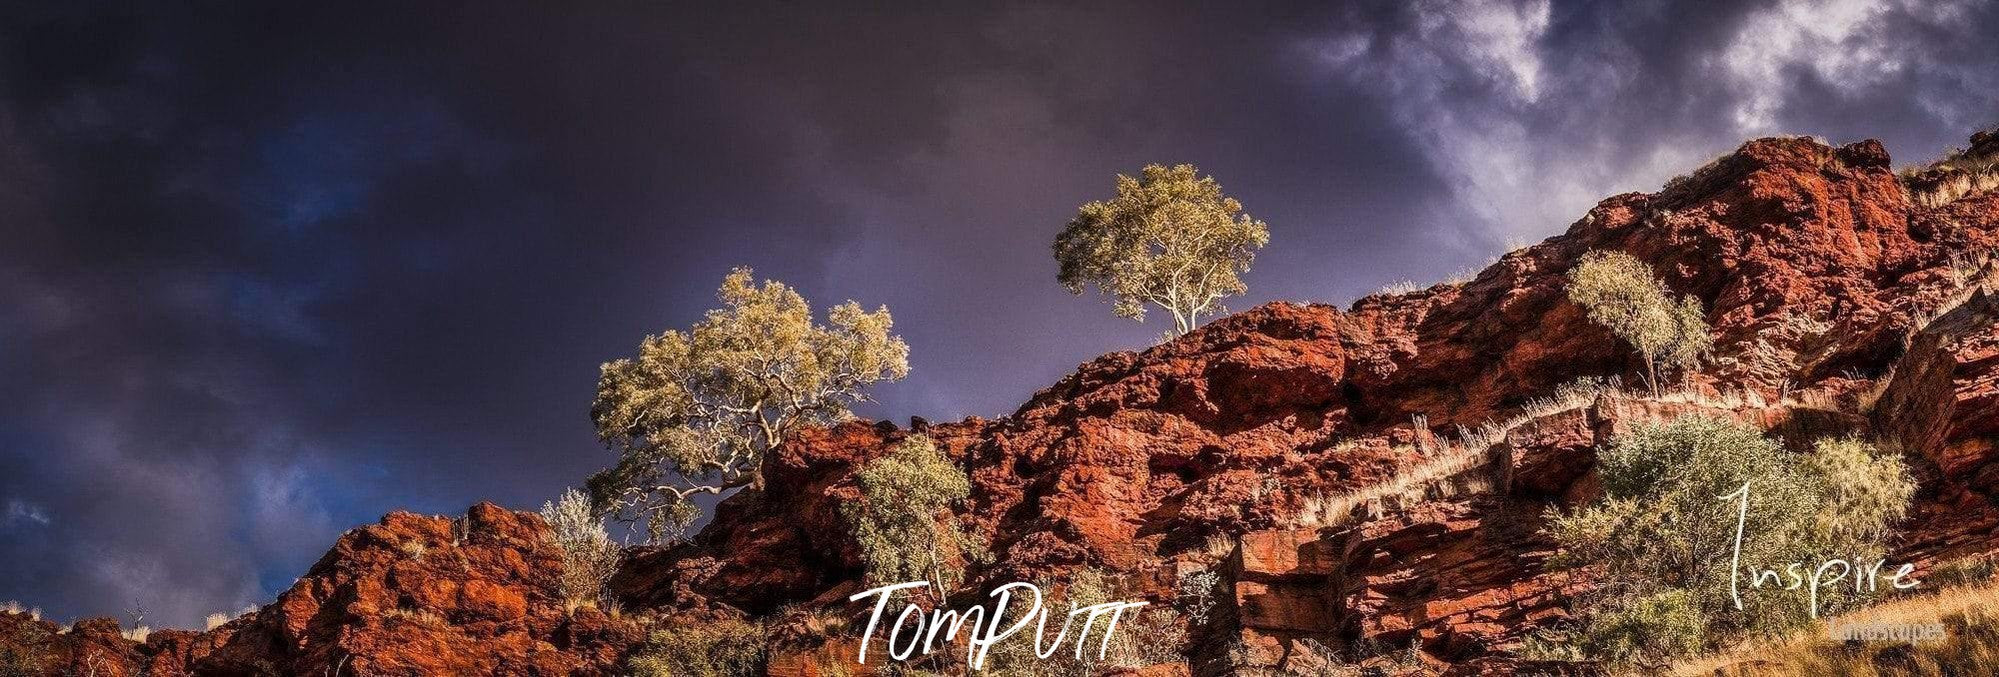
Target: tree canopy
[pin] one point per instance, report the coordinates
(1170, 238)
(697, 411)
(1620, 292)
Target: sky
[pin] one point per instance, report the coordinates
(269, 272)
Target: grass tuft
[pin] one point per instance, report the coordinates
(1970, 646)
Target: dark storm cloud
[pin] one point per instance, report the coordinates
(269, 272)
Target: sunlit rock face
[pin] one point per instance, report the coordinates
(1311, 459)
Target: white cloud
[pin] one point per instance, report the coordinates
(1503, 38)
(1840, 41)
(1531, 128)
(1491, 50)
(20, 512)
(1487, 43)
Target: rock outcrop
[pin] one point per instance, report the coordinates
(412, 595)
(1367, 481)
(1818, 271)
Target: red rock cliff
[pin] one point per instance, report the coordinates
(1818, 269)
(1308, 456)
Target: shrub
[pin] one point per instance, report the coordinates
(729, 648)
(1620, 293)
(1649, 630)
(589, 558)
(897, 521)
(725, 649)
(1146, 635)
(16, 664)
(1196, 595)
(1663, 538)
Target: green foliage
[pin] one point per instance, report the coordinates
(1144, 636)
(709, 649)
(897, 521)
(1862, 492)
(1664, 538)
(1550, 644)
(589, 557)
(1648, 630)
(696, 411)
(14, 664)
(1620, 292)
(1170, 238)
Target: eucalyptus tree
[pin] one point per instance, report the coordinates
(1169, 238)
(697, 411)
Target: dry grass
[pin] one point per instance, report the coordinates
(1442, 473)
(1398, 288)
(1468, 273)
(1859, 401)
(1970, 273)
(1436, 477)
(1958, 186)
(1362, 660)
(1744, 398)
(1575, 394)
(17, 609)
(1970, 617)
(423, 617)
(1955, 177)
(219, 619)
(1969, 268)
(1930, 608)
(1865, 398)
(1431, 479)
(1217, 547)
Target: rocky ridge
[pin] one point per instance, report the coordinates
(1354, 479)
(1824, 278)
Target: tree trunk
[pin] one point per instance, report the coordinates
(1183, 320)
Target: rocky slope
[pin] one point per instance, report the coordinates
(1820, 269)
(412, 595)
(1353, 479)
